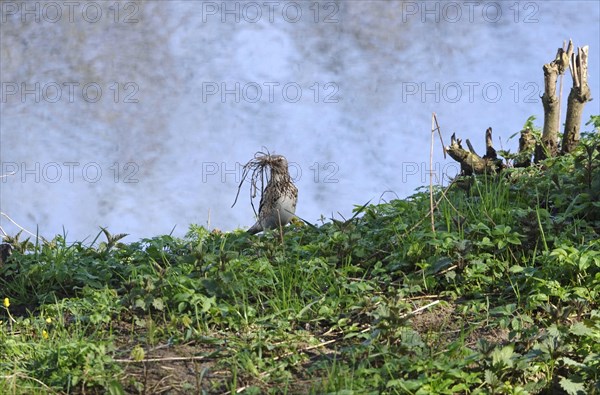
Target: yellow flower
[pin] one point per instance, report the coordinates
(48, 320)
(45, 334)
(6, 302)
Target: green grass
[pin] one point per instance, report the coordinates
(503, 297)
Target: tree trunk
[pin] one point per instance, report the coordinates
(579, 95)
(549, 145)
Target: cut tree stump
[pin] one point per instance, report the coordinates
(470, 162)
(579, 95)
(526, 148)
(550, 101)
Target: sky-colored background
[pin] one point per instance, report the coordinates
(138, 115)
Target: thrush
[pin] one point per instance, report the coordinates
(279, 197)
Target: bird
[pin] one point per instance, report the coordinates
(279, 198)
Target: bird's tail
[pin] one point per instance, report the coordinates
(254, 229)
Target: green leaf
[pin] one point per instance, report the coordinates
(158, 304)
(439, 265)
(308, 307)
(491, 378)
(140, 303)
(115, 388)
(571, 387)
(516, 269)
(406, 385)
(580, 329)
(503, 357)
(514, 239)
(571, 362)
(207, 303)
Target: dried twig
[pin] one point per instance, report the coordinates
(433, 123)
(435, 126)
(164, 359)
(421, 297)
(256, 168)
(6, 175)
(411, 313)
(20, 227)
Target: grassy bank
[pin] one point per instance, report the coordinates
(502, 297)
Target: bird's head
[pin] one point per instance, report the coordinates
(277, 163)
(256, 168)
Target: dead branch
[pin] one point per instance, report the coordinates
(470, 162)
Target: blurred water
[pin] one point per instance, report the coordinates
(191, 89)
